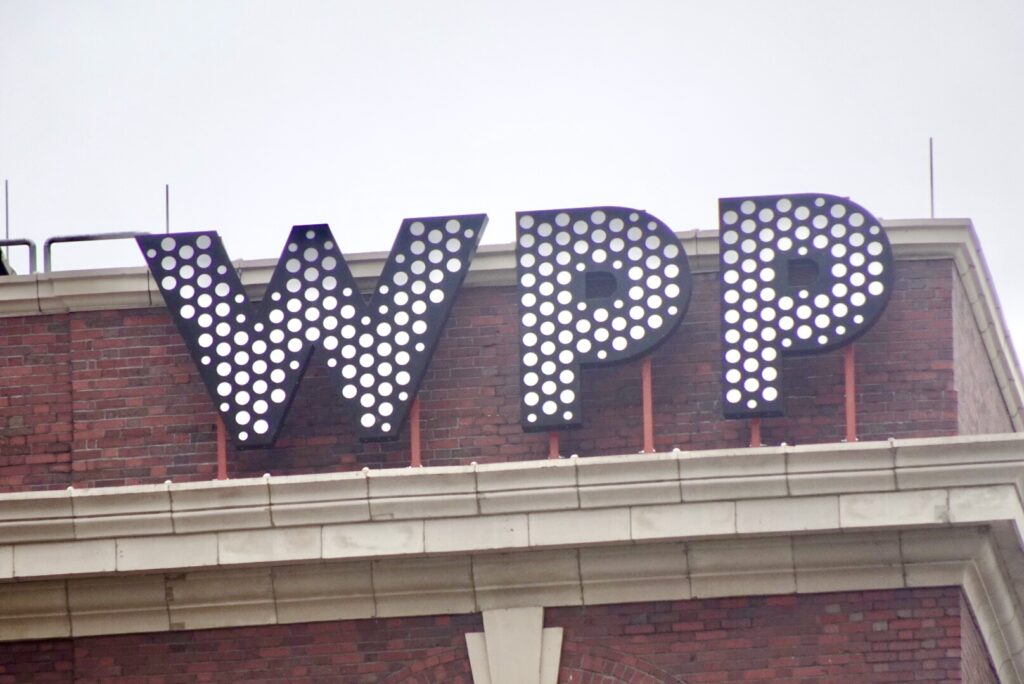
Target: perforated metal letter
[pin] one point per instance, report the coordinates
(597, 285)
(251, 357)
(800, 274)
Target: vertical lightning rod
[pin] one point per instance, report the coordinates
(7, 214)
(167, 208)
(931, 174)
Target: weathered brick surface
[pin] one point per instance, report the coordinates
(139, 412)
(855, 637)
(41, 662)
(385, 651)
(111, 397)
(35, 403)
(980, 406)
(975, 665)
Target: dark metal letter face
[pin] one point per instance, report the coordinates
(800, 274)
(596, 286)
(252, 356)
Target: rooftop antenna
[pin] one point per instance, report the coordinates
(7, 213)
(167, 208)
(931, 174)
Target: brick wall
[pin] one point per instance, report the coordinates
(980, 406)
(878, 636)
(383, 651)
(35, 403)
(112, 398)
(975, 666)
(855, 637)
(905, 385)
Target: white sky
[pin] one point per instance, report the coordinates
(262, 115)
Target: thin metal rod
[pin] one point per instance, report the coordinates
(25, 243)
(222, 450)
(755, 432)
(647, 396)
(48, 245)
(7, 213)
(850, 391)
(414, 434)
(553, 444)
(931, 175)
(167, 208)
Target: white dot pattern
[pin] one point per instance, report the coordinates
(252, 357)
(563, 327)
(766, 313)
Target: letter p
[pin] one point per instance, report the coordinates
(800, 274)
(597, 286)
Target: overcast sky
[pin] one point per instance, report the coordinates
(261, 115)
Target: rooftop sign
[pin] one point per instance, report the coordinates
(597, 285)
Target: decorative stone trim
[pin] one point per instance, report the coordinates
(514, 648)
(819, 518)
(118, 604)
(453, 509)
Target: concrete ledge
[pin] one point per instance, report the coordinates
(535, 504)
(134, 604)
(324, 591)
(282, 594)
(116, 288)
(423, 586)
(901, 513)
(36, 610)
(19, 295)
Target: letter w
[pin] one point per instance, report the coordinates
(251, 356)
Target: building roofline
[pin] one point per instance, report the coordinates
(917, 239)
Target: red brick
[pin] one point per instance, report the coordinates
(113, 397)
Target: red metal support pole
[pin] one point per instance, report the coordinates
(850, 392)
(755, 432)
(222, 450)
(648, 403)
(414, 433)
(553, 444)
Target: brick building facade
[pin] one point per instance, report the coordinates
(323, 559)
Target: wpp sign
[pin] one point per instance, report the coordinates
(599, 285)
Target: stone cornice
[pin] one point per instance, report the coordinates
(521, 493)
(819, 518)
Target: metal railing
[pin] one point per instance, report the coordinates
(18, 242)
(90, 237)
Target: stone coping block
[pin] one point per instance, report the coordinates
(932, 512)
(769, 489)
